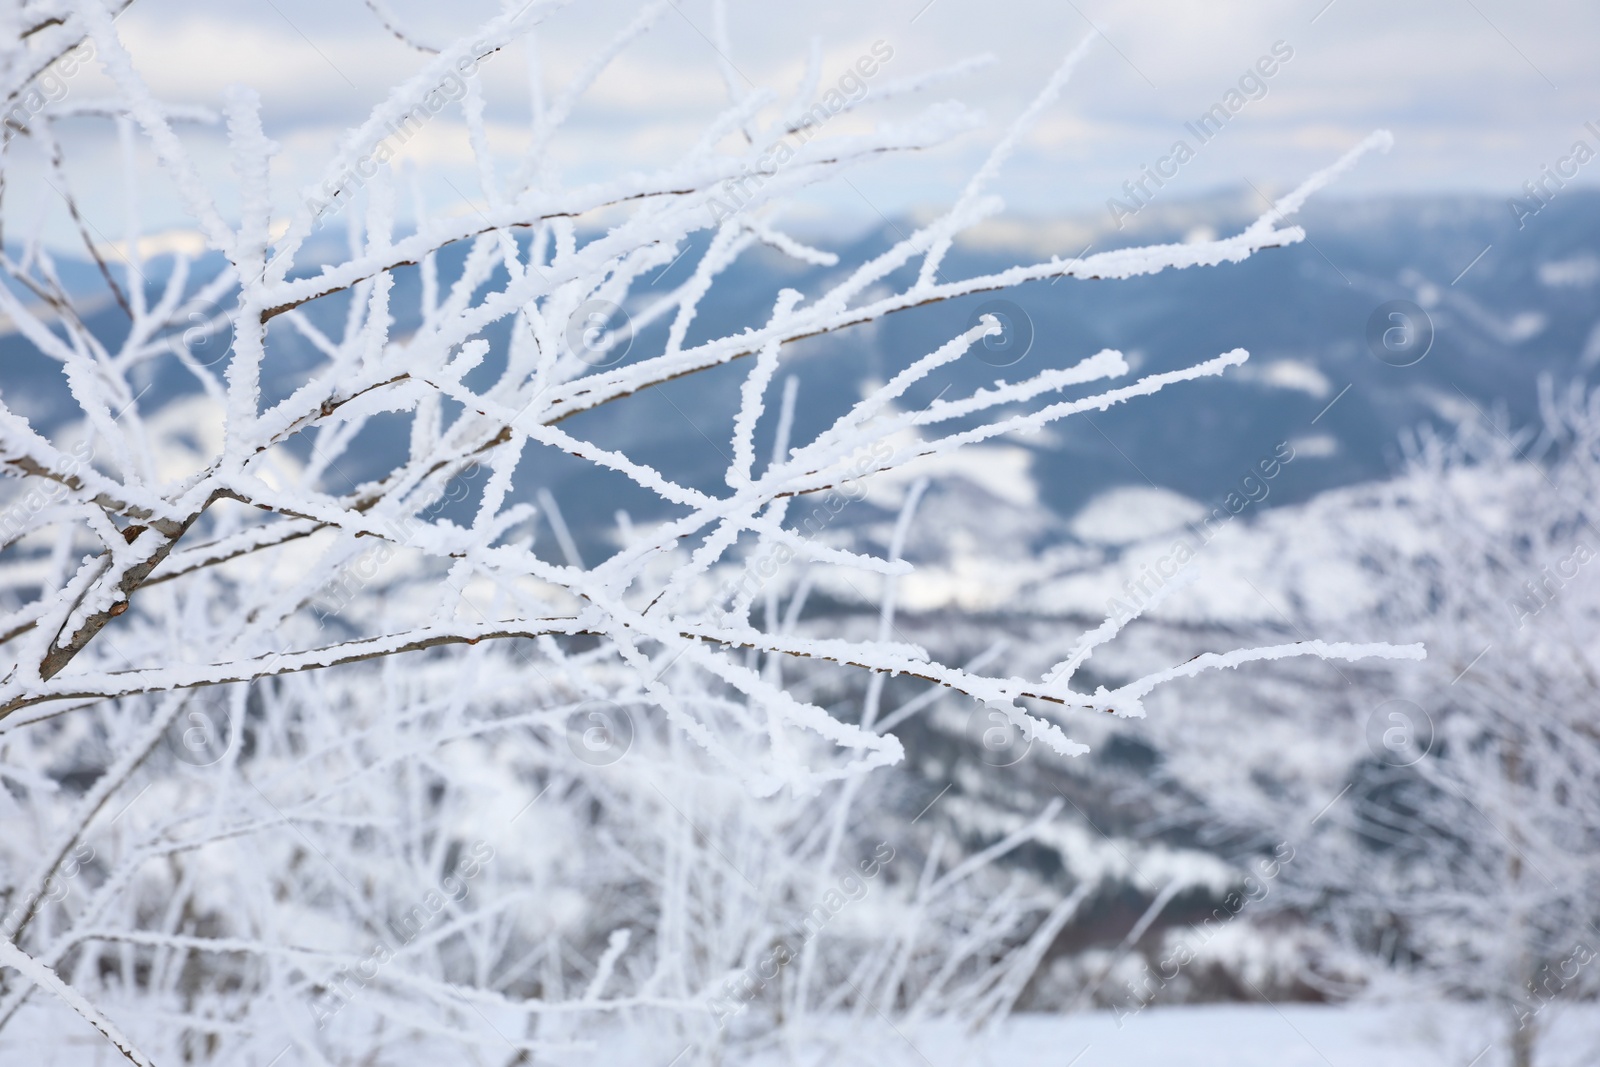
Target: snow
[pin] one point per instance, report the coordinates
(1418, 1034)
(407, 662)
(1132, 513)
(1297, 375)
(1578, 272)
(38, 974)
(1315, 446)
(1232, 1035)
(1004, 471)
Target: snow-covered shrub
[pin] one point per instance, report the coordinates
(390, 766)
(1445, 817)
(1479, 822)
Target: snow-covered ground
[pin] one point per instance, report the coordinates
(1254, 1035)
(1215, 1035)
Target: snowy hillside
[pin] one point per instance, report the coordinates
(1524, 309)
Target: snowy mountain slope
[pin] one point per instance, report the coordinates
(1136, 824)
(1525, 306)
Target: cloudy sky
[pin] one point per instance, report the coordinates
(1481, 94)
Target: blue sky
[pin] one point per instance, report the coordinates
(1481, 94)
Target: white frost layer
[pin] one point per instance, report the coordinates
(1209, 1035)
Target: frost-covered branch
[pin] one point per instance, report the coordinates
(300, 587)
